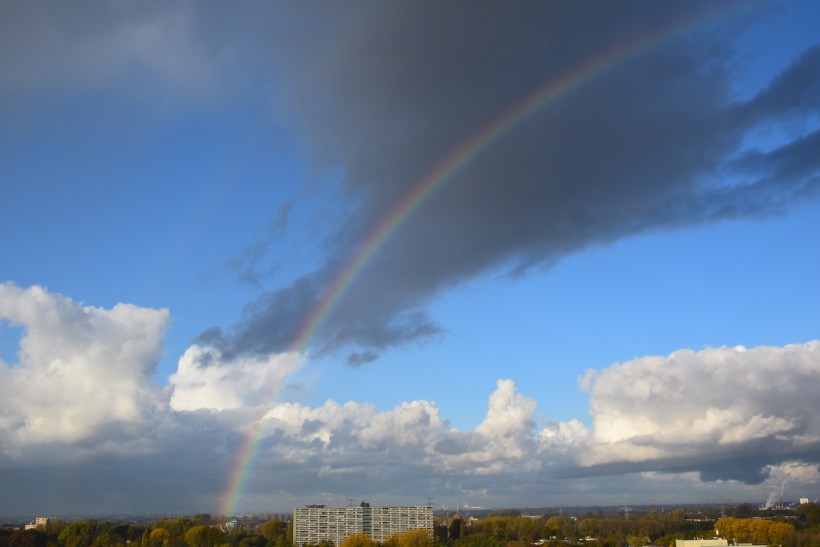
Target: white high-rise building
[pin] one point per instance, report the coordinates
(314, 523)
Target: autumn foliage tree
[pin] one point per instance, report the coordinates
(358, 540)
(204, 536)
(410, 538)
(754, 530)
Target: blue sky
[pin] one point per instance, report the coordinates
(224, 164)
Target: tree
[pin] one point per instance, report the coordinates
(176, 527)
(273, 529)
(254, 541)
(455, 528)
(743, 511)
(589, 527)
(28, 538)
(204, 536)
(54, 527)
(752, 530)
(105, 540)
(528, 529)
(77, 534)
(159, 537)
(358, 540)
(410, 538)
(813, 516)
(560, 527)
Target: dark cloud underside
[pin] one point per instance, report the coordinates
(647, 145)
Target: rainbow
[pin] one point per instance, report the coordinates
(438, 176)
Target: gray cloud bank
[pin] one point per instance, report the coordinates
(657, 142)
(384, 93)
(84, 428)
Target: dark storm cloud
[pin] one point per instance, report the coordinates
(795, 164)
(389, 94)
(359, 358)
(795, 92)
(134, 49)
(261, 328)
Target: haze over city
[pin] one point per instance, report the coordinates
(496, 254)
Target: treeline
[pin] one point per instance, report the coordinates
(177, 532)
(754, 531)
(410, 538)
(799, 528)
(596, 528)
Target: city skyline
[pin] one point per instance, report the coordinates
(260, 256)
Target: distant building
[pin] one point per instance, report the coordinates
(230, 525)
(39, 522)
(715, 542)
(314, 523)
(804, 501)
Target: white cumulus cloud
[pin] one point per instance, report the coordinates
(80, 371)
(80, 398)
(695, 401)
(205, 380)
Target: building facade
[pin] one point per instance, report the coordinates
(314, 523)
(39, 523)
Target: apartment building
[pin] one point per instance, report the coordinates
(314, 523)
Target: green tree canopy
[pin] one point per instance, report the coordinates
(274, 529)
(77, 534)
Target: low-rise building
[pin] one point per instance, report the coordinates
(39, 523)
